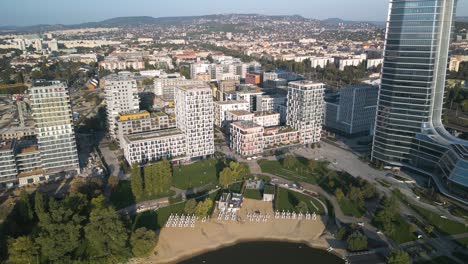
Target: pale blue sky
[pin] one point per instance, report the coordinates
(31, 12)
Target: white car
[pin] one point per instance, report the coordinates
(249, 158)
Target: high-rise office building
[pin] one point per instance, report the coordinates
(50, 103)
(409, 130)
(121, 97)
(194, 116)
(354, 112)
(305, 109)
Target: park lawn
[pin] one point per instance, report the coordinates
(298, 172)
(287, 200)
(123, 196)
(402, 232)
(195, 175)
(350, 209)
(253, 194)
(236, 187)
(445, 226)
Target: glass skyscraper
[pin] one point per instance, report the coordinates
(409, 130)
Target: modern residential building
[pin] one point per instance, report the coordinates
(248, 94)
(154, 145)
(194, 116)
(354, 112)
(277, 137)
(220, 109)
(142, 121)
(165, 86)
(266, 119)
(121, 96)
(270, 103)
(246, 138)
(8, 170)
(253, 78)
(305, 108)
(238, 115)
(409, 129)
(52, 114)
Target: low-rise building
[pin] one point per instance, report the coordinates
(154, 145)
(270, 103)
(246, 138)
(220, 109)
(277, 137)
(267, 119)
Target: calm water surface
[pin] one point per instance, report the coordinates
(266, 252)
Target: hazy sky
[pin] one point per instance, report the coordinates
(31, 12)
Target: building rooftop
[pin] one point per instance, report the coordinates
(154, 134)
(265, 113)
(240, 112)
(269, 189)
(231, 102)
(306, 83)
(195, 87)
(31, 173)
(6, 145)
(246, 124)
(29, 149)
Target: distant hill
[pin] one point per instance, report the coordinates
(336, 21)
(462, 19)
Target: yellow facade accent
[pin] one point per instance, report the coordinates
(126, 117)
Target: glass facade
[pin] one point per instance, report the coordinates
(409, 130)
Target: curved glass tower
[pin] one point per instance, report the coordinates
(409, 131)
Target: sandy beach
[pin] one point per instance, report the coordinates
(176, 244)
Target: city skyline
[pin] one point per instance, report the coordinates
(27, 12)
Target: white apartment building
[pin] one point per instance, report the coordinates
(238, 115)
(154, 145)
(246, 138)
(220, 109)
(8, 170)
(270, 103)
(121, 96)
(267, 119)
(52, 114)
(305, 109)
(321, 61)
(194, 116)
(374, 63)
(165, 86)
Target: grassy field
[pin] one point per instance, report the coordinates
(298, 172)
(402, 232)
(445, 226)
(123, 196)
(288, 200)
(351, 209)
(253, 194)
(195, 175)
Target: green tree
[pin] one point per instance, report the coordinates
(39, 206)
(356, 196)
(302, 207)
(203, 208)
(150, 173)
(398, 257)
(24, 208)
(356, 242)
(136, 182)
(142, 242)
(165, 177)
(429, 229)
(289, 161)
(190, 206)
(22, 250)
(105, 234)
(59, 232)
(226, 177)
(341, 233)
(339, 194)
